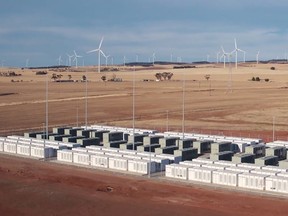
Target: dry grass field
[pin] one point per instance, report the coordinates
(240, 108)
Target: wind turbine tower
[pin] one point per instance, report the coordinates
(106, 58)
(99, 53)
(59, 60)
(76, 58)
(69, 58)
(217, 56)
(236, 50)
(224, 55)
(27, 63)
(257, 57)
(153, 58)
(124, 60)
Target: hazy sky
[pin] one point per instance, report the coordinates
(42, 30)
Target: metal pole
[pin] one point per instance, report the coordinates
(46, 106)
(183, 107)
(149, 161)
(86, 102)
(230, 88)
(133, 104)
(273, 128)
(77, 115)
(167, 120)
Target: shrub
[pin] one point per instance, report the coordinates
(266, 80)
(253, 78)
(272, 68)
(257, 79)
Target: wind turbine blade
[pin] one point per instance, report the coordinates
(102, 53)
(101, 43)
(95, 50)
(232, 52)
(235, 43)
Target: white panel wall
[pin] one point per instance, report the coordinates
(10, 147)
(81, 158)
(146, 154)
(214, 166)
(252, 181)
(118, 163)
(249, 165)
(192, 163)
(265, 172)
(169, 171)
(41, 152)
(132, 157)
(274, 168)
(1, 145)
(225, 163)
(127, 152)
(79, 149)
(65, 155)
(113, 154)
(23, 150)
(239, 169)
(277, 184)
(203, 160)
(225, 177)
(177, 171)
(98, 160)
(200, 174)
(93, 147)
(141, 166)
(160, 162)
(283, 174)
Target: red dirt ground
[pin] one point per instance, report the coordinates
(30, 187)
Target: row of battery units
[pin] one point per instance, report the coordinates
(130, 163)
(257, 178)
(27, 150)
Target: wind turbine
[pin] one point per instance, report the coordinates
(76, 58)
(236, 50)
(69, 57)
(153, 57)
(106, 58)
(99, 53)
(124, 60)
(224, 55)
(58, 59)
(27, 63)
(257, 57)
(217, 54)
